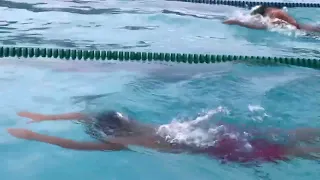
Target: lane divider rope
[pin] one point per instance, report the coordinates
(77, 54)
(249, 4)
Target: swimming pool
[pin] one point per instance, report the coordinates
(264, 96)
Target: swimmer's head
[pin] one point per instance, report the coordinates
(114, 123)
(259, 10)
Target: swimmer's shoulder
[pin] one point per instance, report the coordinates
(274, 12)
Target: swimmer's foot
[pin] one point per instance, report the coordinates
(34, 116)
(22, 133)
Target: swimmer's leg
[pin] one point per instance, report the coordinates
(307, 135)
(65, 143)
(312, 153)
(309, 28)
(294, 137)
(44, 117)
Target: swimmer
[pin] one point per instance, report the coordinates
(277, 16)
(115, 131)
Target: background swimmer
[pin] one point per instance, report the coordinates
(115, 131)
(277, 17)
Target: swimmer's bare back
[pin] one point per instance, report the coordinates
(111, 144)
(282, 15)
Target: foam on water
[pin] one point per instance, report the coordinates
(258, 113)
(203, 131)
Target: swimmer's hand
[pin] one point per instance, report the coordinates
(22, 133)
(33, 116)
(231, 21)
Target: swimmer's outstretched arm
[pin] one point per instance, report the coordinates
(36, 117)
(245, 24)
(65, 143)
(115, 144)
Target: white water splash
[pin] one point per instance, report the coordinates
(258, 112)
(209, 114)
(255, 108)
(192, 133)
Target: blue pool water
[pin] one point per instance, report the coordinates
(249, 94)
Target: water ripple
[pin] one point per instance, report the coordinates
(139, 25)
(86, 10)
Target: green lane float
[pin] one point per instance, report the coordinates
(77, 54)
(239, 3)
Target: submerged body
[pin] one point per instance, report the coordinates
(277, 17)
(115, 131)
(227, 147)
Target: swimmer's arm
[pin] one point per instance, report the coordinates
(36, 117)
(245, 24)
(65, 143)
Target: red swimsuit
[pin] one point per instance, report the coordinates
(258, 150)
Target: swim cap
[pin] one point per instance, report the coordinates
(259, 10)
(112, 123)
